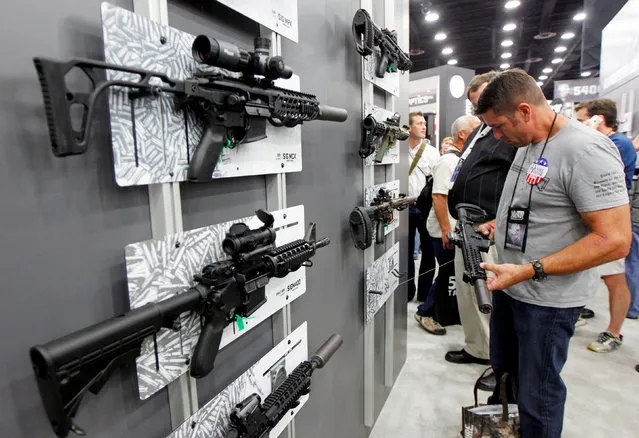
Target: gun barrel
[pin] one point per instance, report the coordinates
(483, 296)
(326, 351)
(332, 113)
(322, 243)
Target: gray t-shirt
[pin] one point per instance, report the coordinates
(585, 173)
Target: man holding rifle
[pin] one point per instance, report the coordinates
(478, 179)
(563, 211)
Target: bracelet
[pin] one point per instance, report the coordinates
(491, 226)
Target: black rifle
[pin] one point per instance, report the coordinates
(472, 244)
(389, 131)
(368, 36)
(83, 361)
(253, 419)
(233, 110)
(381, 212)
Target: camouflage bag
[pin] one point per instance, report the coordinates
(491, 421)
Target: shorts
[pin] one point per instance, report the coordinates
(612, 268)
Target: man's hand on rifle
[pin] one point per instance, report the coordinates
(507, 275)
(446, 243)
(488, 230)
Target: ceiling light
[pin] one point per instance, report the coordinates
(560, 49)
(431, 16)
(556, 60)
(507, 43)
(440, 36)
(447, 51)
(506, 55)
(545, 35)
(585, 74)
(541, 84)
(547, 70)
(580, 16)
(543, 77)
(512, 4)
(567, 36)
(452, 62)
(504, 66)
(510, 26)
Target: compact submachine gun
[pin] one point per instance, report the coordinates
(389, 132)
(381, 212)
(368, 36)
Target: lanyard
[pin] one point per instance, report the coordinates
(481, 134)
(524, 161)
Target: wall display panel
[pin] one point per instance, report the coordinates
(278, 15)
(152, 141)
(382, 278)
(162, 268)
(212, 420)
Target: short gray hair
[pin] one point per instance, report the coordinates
(463, 123)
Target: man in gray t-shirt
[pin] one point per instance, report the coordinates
(564, 209)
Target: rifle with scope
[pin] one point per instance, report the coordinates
(472, 244)
(253, 419)
(380, 212)
(368, 37)
(233, 110)
(389, 131)
(68, 367)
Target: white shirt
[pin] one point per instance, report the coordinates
(417, 179)
(442, 172)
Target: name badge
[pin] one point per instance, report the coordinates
(517, 228)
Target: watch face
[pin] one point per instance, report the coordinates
(457, 86)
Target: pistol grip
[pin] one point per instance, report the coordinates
(208, 344)
(382, 65)
(207, 154)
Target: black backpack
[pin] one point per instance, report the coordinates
(425, 199)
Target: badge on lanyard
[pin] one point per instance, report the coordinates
(537, 171)
(517, 228)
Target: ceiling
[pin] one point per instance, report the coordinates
(474, 30)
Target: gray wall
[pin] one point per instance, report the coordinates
(65, 222)
(449, 107)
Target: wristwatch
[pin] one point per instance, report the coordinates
(540, 274)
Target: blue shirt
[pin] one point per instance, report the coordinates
(628, 155)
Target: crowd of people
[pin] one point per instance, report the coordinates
(562, 212)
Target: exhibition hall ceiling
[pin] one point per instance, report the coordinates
(544, 37)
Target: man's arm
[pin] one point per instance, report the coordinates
(609, 239)
(440, 204)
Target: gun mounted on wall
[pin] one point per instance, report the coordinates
(368, 38)
(380, 213)
(383, 134)
(233, 110)
(224, 292)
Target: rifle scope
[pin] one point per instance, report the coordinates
(216, 53)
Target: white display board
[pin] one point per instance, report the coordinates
(392, 155)
(382, 279)
(162, 268)
(371, 192)
(212, 420)
(152, 141)
(278, 15)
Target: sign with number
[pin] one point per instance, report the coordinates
(577, 90)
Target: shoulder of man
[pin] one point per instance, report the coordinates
(430, 155)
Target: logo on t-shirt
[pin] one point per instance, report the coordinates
(537, 171)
